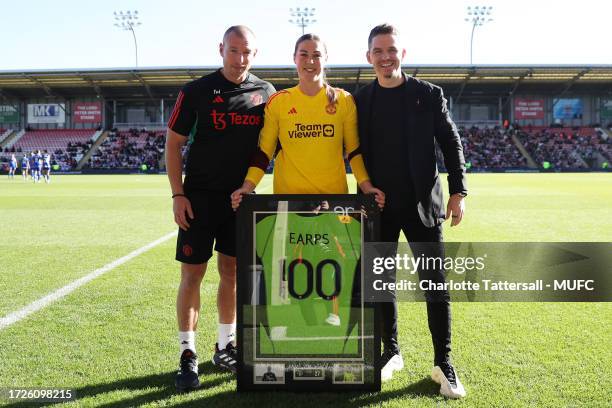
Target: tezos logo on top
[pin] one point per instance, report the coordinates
(302, 130)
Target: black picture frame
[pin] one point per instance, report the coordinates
(298, 372)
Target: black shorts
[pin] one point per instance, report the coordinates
(214, 223)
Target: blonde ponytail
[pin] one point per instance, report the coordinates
(332, 97)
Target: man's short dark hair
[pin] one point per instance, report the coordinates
(241, 30)
(380, 30)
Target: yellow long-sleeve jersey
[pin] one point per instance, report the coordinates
(310, 135)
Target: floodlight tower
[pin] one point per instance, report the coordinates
(127, 21)
(477, 16)
(301, 17)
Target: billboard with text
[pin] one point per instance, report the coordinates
(528, 108)
(9, 114)
(47, 113)
(87, 112)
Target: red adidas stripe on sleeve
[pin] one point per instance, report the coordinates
(274, 95)
(176, 110)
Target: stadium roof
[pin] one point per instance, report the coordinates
(158, 82)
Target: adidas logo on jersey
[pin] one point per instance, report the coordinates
(218, 99)
(292, 111)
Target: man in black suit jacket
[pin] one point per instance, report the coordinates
(400, 120)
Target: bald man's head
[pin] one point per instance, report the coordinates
(238, 51)
(241, 31)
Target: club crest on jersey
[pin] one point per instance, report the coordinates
(256, 99)
(331, 109)
(343, 214)
(345, 219)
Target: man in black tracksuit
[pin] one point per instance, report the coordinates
(223, 111)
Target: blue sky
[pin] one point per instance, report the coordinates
(80, 34)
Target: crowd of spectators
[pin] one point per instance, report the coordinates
(130, 149)
(556, 148)
(487, 149)
(69, 158)
(565, 148)
(491, 148)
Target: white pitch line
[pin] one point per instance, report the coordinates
(41, 303)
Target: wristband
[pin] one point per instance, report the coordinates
(178, 195)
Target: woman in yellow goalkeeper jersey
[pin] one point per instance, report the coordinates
(309, 128)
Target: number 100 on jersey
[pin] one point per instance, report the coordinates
(303, 320)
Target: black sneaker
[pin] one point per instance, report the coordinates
(226, 358)
(187, 376)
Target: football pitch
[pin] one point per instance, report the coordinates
(113, 339)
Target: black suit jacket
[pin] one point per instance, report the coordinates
(426, 120)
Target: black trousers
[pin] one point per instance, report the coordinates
(438, 302)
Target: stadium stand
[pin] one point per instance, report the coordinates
(566, 148)
(129, 149)
(8, 136)
(491, 148)
(485, 149)
(66, 146)
(488, 149)
(477, 97)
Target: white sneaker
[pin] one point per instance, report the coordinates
(450, 386)
(395, 363)
(333, 319)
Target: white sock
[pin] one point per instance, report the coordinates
(187, 341)
(226, 334)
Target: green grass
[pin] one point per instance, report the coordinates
(114, 339)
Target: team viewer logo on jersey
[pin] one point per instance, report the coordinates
(302, 130)
(328, 130)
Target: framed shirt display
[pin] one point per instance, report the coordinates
(303, 321)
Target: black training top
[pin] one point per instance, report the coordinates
(227, 119)
(388, 151)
